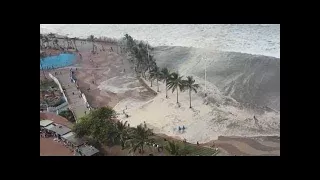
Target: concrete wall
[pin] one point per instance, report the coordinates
(60, 87)
(61, 107)
(64, 95)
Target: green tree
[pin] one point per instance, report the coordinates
(173, 148)
(190, 84)
(176, 150)
(51, 36)
(119, 134)
(165, 75)
(96, 124)
(91, 38)
(68, 115)
(41, 40)
(176, 83)
(74, 42)
(155, 74)
(139, 137)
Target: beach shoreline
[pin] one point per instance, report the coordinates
(112, 82)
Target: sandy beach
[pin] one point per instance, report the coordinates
(113, 82)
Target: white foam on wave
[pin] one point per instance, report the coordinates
(246, 38)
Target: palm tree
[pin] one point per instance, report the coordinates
(55, 42)
(41, 40)
(91, 38)
(121, 133)
(46, 41)
(74, 42)
(165, 74)
(190, 84)
(155, 74)
(173, 148)
(175, 83)
(51, 36)
(139, 137)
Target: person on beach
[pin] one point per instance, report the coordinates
(183, 128)
(72, 93)
(198, 143)
(85, 112)
(179, 129)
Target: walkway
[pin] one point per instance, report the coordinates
(76, 103)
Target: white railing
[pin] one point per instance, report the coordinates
(60, 87)
(64, 95)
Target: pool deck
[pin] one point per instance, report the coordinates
(76, 103)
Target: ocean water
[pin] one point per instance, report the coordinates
(259, 39)
(61, 60)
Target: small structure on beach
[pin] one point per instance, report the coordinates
(60, 130)
(45, 123)
(87, 151)
(72, 139)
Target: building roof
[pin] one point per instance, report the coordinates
(88, 150)
(49, 127)
(60, 129)
(46, 122)
(71, 137)
(67, 135)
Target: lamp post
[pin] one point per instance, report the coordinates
(205, 77)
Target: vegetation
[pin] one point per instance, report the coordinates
(176, 150)
(143, 63)
(190, 84)
(100, 125)
(92, 38)
(140, 57)
(165, 75)
(68, 115)
(156, 74)
(176, 83)
(139, 137)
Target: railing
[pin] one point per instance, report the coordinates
(64, 95)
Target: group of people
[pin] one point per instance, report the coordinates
(181, 129)
(45, 134)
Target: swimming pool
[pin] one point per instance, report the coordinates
(61, 60)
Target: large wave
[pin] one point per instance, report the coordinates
(252, 80)
(246, 38)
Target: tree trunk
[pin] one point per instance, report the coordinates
(177, 95)
(190, 97)
(151, 82)
(158, 85)
(142, 149)
(74, 42)
(166, 90)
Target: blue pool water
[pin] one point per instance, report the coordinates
(61, 60)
